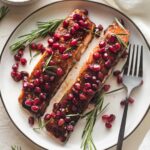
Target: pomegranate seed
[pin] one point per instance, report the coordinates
(31, 120)
(96, 67)
(45, 77)
(20, 52)
(119, 79)
(70, 96)
(18, 77)
(65, 56)
(105, 56)
(87, 77)
(47, 117)
(37, 73)
(61, 122)
(23, 61)
(52, 78)
(116, 72)
(73, 42)
(117, 46)
(102, 44)
(90, 92)
(55, 46)
(102, 50)
(15, 67)
(40, 46)
(81, 23)
(62, 48)
(123, 102)
(94, 79)
(106, 87)
(35, 108)
(112, 49)
(111, 118)
(105, 118)
(87, 85)
(28, 103)
(108, 64)
(37, 90)
(82, 97)
(77, 17)
(74, 109)
(17, 57)
(67, 36)
(65, 23)
(85, 11)
(101, 76)
(59, 71)
(75, 91)
(51, 63)
(130, 100)
(50, 41)
(47, 86)
(77, 86)
(36, 101)
(31, 86)
(112, 39)
(56, 36)
(94, 86)
(24, 74)
(70, 128)
(72, 31)
(43, 96)
(96, 55)
(33, 46)
(100, 27)
(36, 82)
(108, 125)
(76, 26)
(25, 85)
(49, 51)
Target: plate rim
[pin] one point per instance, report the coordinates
(53, 3)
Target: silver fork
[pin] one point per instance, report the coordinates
(132, 78)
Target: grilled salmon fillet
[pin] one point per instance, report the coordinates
(91, 78)
(66, 45)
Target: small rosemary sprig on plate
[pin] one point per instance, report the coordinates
(43, 29)
(70, 49)
(121, 41)
(119, 23)
(87, 140)
(36, 54)
(3, 11)
(41, 125)
(15, 147)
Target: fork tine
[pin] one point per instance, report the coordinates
(136, 61)
(132, 61)
(127, 62)
(140, 74)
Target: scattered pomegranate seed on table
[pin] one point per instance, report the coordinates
(106, 87)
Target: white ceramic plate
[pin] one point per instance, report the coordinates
(103, 138)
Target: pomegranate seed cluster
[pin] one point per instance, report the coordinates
(39, 88)
(108, 119)
(78, 97)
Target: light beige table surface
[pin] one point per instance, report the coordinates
(9, 135)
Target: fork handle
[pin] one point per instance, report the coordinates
(122, 127)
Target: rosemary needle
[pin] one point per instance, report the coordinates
(3, 11)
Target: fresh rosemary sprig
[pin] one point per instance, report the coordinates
(87, 142)
(70, 49)
(41, 125)
(36, 54)
(43, 29)
(3, 11)
(15, 147)
(118, 22)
